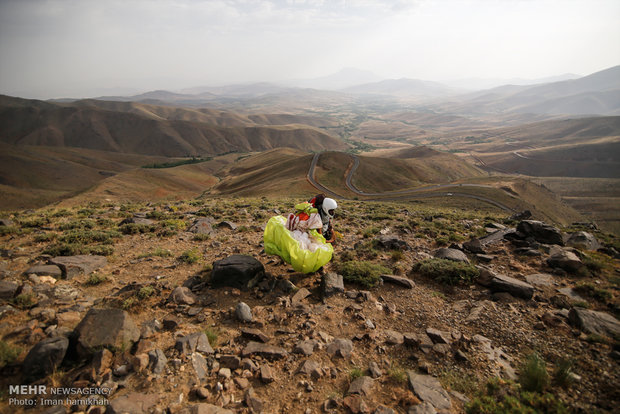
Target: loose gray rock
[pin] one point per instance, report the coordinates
(340, 348)
(398, 280)
(300, 295)
(255, 335)
(243, 312)
(331, 284)
(540, 279)
(197, 341)
(157, 361)
(143, 221)
(438, 337)
(134, 403)
(209, 409)
(361, 386)
(44, 358)
(305, 347)
(227, 225)
(391, 242)
(428, 389)
(8, 289)
(182, 296)
(110, 328)
(45, 270)
(311, 369)
(200, 365)
(451, 254)
(374, 370)
(594, 322)
(422, 408)
(72, 266)
(474, 246)
(541, 232)
(264, 350)
(239, 271)
(394, 338)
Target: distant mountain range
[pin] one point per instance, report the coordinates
(595, 94)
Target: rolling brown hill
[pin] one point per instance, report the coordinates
(25, 122)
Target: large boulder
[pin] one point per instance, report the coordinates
(239, 271)
(501, 283)
(109, 328)
(391, 242)
(202, 226)
(541, 232)
(583, 240)
(451, 254)
(82, 264)
(44, 358)
(564, 259)
(594, 322)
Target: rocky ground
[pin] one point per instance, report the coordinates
(177, 308)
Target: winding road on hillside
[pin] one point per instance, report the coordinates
(402, 194)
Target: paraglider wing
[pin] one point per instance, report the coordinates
(281, 241)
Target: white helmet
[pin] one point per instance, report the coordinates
(329, 205)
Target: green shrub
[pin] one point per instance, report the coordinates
(201, 237)
(397, 255)
(562, 375)
(190, 256)
(134, 228)
(77, 224)
(447, 271)
(45, 237)
(159, 252)
(145, 292)
(212, 335)
(89, 236)
(95, 279)
(34, 222)
(397, 374)
(370, 231)
(501, 397)
(362, 272)
(534, 376)
(6, 230)
(72, 249)
(355, 373)
(25, 300)
(8, 353)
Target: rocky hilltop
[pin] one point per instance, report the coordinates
(177, 309)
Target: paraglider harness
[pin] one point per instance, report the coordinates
(327, 230)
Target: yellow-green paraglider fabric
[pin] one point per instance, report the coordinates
(279, 240)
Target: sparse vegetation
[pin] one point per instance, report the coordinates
(563, 373)
(96, 279)
(362, 272)
(8, 353)
(190, 256)
(355, 373)
(534, 376)
(212, 336)
(447, 271)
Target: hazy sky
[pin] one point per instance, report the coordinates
(77, 48)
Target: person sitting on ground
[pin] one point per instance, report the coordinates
(326, 208)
